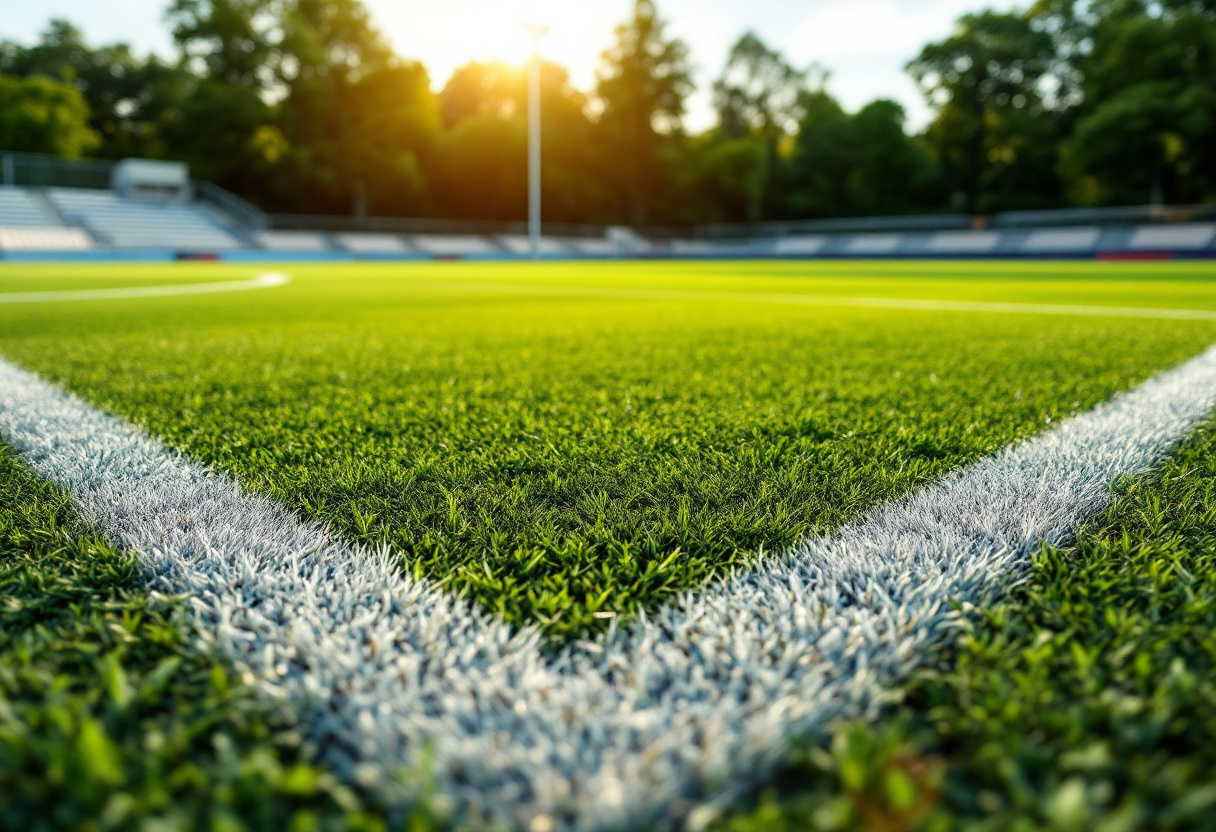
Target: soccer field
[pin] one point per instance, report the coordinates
(568, 446)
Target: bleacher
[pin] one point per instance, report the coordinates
(19, 208)
(29, 238)
(152, 207)
(454, 245)
(129, 224)
(290, 241)
(367, 243)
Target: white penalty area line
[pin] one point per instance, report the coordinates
(661, 721)
(266, 281)
(795, 299)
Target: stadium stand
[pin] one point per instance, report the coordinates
(453, 245)
(591, 246)
(44, 239)
(291, 241)
(20, 208)
(372, 243)
(520, 244)
(1065, 240)
(139, 225)
(863, 244)
(154, 209)
(1183, 237)
(964, 242)
(799, 246)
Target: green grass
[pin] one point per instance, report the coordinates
(564, 456)
(111, 718)
(1086, 701)
(520, 435)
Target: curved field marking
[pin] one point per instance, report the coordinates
(661, 720)
(266, 281)
(793, 299)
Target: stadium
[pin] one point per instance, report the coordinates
(562, 431)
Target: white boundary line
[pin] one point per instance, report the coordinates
(650, 723)
(265, 281)
(795, 299)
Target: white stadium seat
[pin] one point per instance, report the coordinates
(1061, 240)
(290, 241)
(1185, 237)
(19, 209)
(874, 244)
(129, 224)
(44, 239)
(453, 244)
(372, 243)
(800, 246)
(520, 244)
(964, 242)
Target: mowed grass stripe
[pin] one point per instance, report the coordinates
(265, 281)
(847, 301)
(695, 704)
(570, 460)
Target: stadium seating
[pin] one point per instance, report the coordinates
(1062, 241)
(870, 244)
(135, 225)
(372, 243)
(1183, 237)
(964, 242)
(799, 246)
(291, 241)
(520, 244)
(19, 208)
(453, 245)
(591, 246)
(29, 238)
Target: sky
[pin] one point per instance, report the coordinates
(863, 43)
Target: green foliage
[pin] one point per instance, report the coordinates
(857, 165)
(110, 716)
(643, 86)
(986, 83)
(564, 458)
(481, 168)
(1149, 95)
(302, 106)
(1086, 701)
(40, 115)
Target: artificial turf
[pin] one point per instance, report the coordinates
(566, 455)
(522, 435)
(112, 718)
(1086, 700)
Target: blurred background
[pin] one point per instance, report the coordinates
(672, 113)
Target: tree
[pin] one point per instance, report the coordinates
(642, 88)
(226, 41)
(1149, 94)
(760, 95)
(986, 84)
(482, 169)
(759, 92)
(39, 115)
(126, 95)
(360, 123)
(859, 165)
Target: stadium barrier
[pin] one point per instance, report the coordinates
(51, 206)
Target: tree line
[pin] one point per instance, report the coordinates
(302, 107)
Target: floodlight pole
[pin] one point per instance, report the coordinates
(537, 33)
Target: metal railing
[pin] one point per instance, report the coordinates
(35, 170)
(241, 210)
